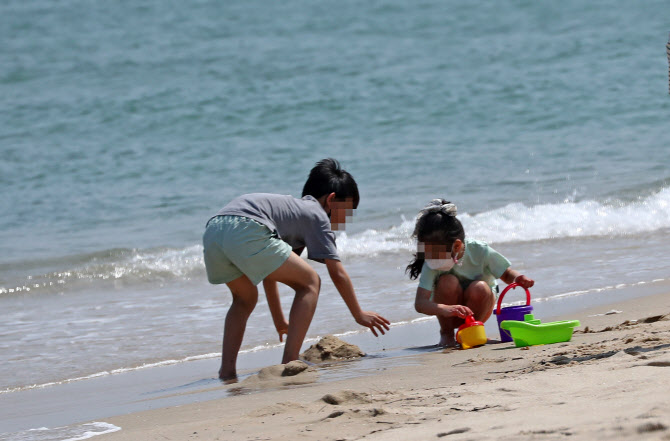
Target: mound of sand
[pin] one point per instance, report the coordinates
(331, 348)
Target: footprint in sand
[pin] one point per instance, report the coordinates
(454, 432)
(361, 413)
(346, 397)
(294, 373)
(660, 363)
(654, 318)
(275, 409)
(651, 427)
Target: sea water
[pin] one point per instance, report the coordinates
(126, 125)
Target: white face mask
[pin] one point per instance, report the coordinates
(441, 264)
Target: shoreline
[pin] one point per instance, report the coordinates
(252, 359)
(606, 383)
(128, 399)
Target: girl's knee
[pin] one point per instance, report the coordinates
(479, 292)
(447, 282)
(480, 299)
(448, 290)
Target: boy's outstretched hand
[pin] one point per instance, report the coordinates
(373, 320)
(344, 286)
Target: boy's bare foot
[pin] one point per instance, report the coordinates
(228, 377)
(232, 380)
(447, 339)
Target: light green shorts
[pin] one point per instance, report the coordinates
(236, 246)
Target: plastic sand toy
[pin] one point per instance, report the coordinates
(511, 312)
(531, 332)
(471, 333)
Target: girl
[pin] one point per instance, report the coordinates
(458, 275)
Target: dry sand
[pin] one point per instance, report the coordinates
(611, 383)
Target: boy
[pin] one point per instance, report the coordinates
(259, 237)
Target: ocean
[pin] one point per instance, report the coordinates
(126, 125)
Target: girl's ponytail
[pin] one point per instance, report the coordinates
(414, 267)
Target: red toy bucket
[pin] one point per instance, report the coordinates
(511, 312)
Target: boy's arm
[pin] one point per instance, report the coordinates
(272, 294)
(425, 305)
(513, 276)
(344, 286)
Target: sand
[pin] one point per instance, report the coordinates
(611, 382)
(331, 348)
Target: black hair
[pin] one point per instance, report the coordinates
(328, 177)
(436, 223)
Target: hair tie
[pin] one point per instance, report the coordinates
(435, 206)
(439, 206)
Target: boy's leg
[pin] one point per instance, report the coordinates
(479, 297)
(448, 291)
(297, 274)
(245, 296)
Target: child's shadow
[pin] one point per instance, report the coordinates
(427, 348)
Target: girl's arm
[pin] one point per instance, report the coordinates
(344, 286)
(513, 276)
(425, 305)
(272, 294)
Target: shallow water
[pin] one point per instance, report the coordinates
(128, 124)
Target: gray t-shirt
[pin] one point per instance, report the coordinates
(299, 222)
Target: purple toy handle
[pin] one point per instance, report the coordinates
(511, 286)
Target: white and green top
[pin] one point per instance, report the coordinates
(480, 262)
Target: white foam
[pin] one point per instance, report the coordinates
(67, 433)
(520, 223)
(117, 371)
(515, 222)
(127, 266)
(106, 428)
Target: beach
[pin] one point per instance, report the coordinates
(609, 382)
(127, 125)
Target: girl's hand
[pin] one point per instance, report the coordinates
(282, 329)
(456, 311)
(524, 281)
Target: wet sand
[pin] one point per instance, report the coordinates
(611, 381)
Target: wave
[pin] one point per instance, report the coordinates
(117, 266)
(514, 222)
(517, 222)
(77, 432)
